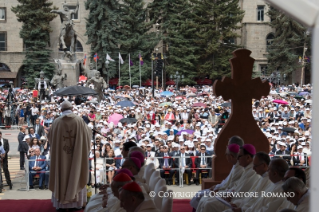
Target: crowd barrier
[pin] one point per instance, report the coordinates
(181, 171)
(193, 158)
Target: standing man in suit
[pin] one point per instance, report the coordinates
(38, 128)
(35, 166)
(184, 164)
(202, 162)
(166, 163)
(6, 148)
(22, 147)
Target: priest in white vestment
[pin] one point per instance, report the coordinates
(260, 164)
(244, 184)
(69, 138)
(267, 201)
(301, 198)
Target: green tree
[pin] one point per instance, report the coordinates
(217, 23)
(136, 38)
(287, 46)
(103, 31)
(174, 18)
(35, 32)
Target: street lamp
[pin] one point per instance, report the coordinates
(177, 77)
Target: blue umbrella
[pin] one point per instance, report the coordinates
(167, 131)
(166, 93)
(126, 104)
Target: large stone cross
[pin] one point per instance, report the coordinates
(240, 89)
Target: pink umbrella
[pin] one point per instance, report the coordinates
(282, 102)
(180, 97)
(199, 104)
(115, 118)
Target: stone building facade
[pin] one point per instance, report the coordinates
(255, 34)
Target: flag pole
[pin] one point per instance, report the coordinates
(129, 68)
(119, 70)
(140, 69)
(96, 61)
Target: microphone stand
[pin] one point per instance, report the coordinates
(94, 131)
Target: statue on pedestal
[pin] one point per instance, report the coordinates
(41, 84)
(58, 78)
(67, 34)
(89, 73)
(99, 85)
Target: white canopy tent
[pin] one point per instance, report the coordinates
(307, 12)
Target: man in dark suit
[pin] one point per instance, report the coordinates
(300, 158)
(167, 164)
(35, 166)
(22, 147)
(185, 163)
(156, 147)
(202, 162)
(32, 133)
(6, 148)
(283, 151)
(38, 128)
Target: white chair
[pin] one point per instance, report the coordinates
(148, 172)
(160, 186)
(167, 202)
(153, 180)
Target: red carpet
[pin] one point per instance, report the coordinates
(182, 205)
(179, 205)
(31, 205)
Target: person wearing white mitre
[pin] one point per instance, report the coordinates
(69, 138)
(244, 184)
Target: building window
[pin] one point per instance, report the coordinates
(75, 15)
(260, 13)
(3, 14)
(269, 40)
(3, 41)
(79, 47)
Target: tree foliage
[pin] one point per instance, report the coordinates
(217, 23)
(136, 38)
(103, 31)
(35, 32)
(287, 46)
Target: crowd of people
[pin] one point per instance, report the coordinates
(171, 125)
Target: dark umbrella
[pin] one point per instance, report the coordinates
(288, 129)
(121, 97)
(126, 104)
(226, 104)
(298, 97)
(128, 120)
(74, 90)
